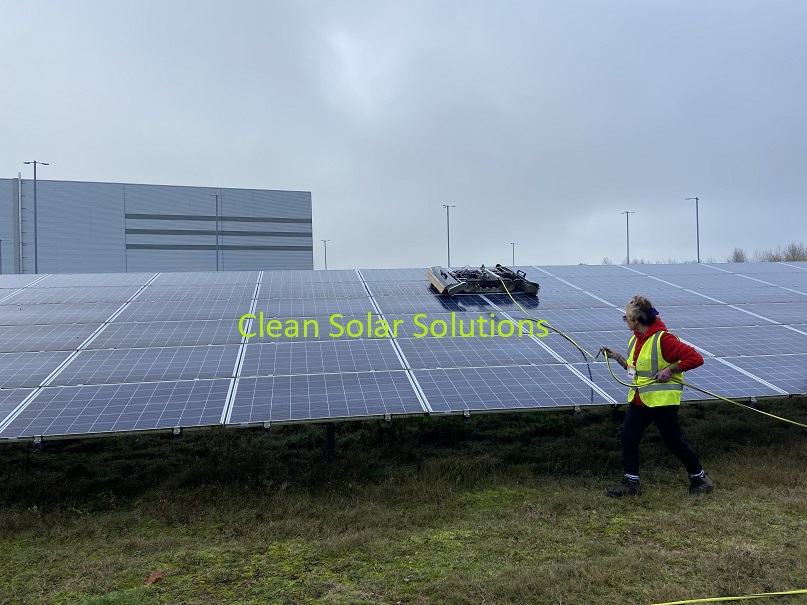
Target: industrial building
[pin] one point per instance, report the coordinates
(86, 227)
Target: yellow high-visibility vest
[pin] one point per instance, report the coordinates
(648, 364)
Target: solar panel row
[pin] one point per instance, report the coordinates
(90, 354)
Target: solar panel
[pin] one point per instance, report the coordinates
(57, 337)
(28, 369)
(175, 356)
(167, 334)
(784, 371)
(323, 397)
(505, 388)
(319, 357)
(148, 365)
(63, 313)
(88, 410)
(71, 295)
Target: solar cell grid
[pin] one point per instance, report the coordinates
(306, 277)
(582, 320)
(313, 290)
(582, 270)
(71, 295)
(318, 357)
(436, 304)
(84, 410)
(505, 388)
(90, 280)
(784, 371)
(755, 268)
(323, 396)
(206, 279)
(28, 369)
(129, 335)
(298, 308)
(58, 337)
(195, 293)
(787, 313)
(706, 316)
(56, 313)
(395, 275)
(185, 311)
(9, 400)
(149, 365)
(16, 281)
(752, 340)
(428, 353)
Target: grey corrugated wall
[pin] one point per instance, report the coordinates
(85, 227)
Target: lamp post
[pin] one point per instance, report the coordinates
(514, 252)
(36, 242)
(627, 214)
(448, 233)
(697, 228)
(216, 195)
(325, 244)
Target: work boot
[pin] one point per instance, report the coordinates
(700, 485)
(628, 487)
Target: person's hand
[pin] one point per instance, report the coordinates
(610, 353)
(664, 375)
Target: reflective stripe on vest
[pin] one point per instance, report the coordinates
(658, 393)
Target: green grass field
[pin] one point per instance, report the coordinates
(508, 508)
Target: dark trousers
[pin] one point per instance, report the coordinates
(666, 419)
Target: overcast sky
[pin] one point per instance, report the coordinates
(540, 121)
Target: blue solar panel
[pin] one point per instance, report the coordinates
(57, 337)
(505, 388)
(752, 340)
(149, 365)
(430, 353)
(316, 357)
(169, 357)
(9, 400)
(28, 369)
(184, 311)
(195, 293)
(20, 315)
(33, 296)
(59, 411)
(129, 335)
(784, 371)
(323, 396)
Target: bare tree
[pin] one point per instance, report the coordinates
(738, 255)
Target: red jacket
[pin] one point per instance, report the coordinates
(672, 350)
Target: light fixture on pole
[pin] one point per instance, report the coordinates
(697, 228)
(217, 195)
(325, 244)
(514, 252)
(448, 233)
(36, 242)
(627, 214)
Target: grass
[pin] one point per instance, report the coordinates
(506, 509)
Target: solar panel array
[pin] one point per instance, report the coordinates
(96, 354)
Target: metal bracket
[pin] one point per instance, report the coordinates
(267, 425)
(177, 431)
(466, 416)
(753, 402)
(388, 420)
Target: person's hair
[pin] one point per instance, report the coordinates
(640, 309)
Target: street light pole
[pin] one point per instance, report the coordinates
(36, 242)
(514, 252)
(216, 195)
(697, 228)
(627, 214)
(448, 233)
(325, 244)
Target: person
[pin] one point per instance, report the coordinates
(655, 364)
